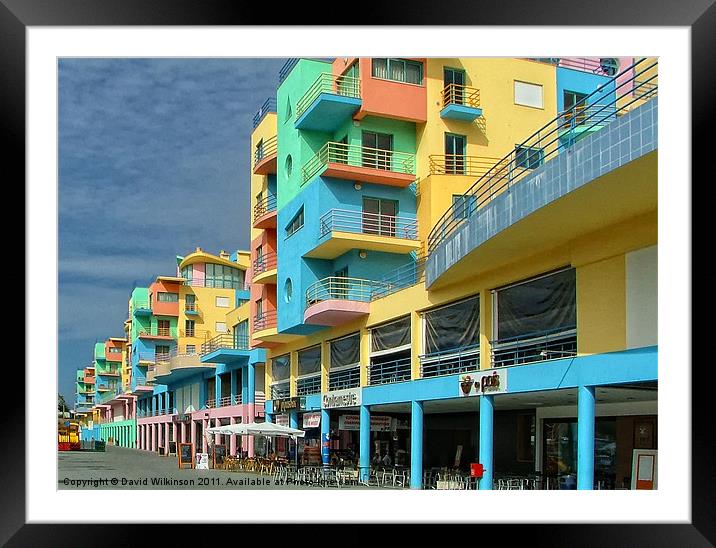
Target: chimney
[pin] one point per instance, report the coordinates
(198, 250)
(224, 255)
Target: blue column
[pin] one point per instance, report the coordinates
(245, 386)
(251, 383)
(364, 455)
(416, 445)
(268, 417)
(154, 404)
(293, 419)
(487, 410)
(325, 437)
(202, 394)
(585, 437)
(217, 389)
(234, 391)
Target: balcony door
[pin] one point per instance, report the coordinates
(455, 154)
(573, 99)
(454, 82)
(340, 284)
(379, 216)
(163, 328)
(377, 150)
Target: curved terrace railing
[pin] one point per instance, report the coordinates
(347, 86)
(456, 94)
(225, 340)
(265, 205)
(265, 320)
(552, 138)
(358, 156)
(266, 262)
(268, 106)
(287, 68)
(269, 147)
(338, 287)
(359, 222)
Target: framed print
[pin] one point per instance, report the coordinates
(413, 262)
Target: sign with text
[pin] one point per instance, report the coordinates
(378, 423)
(312, 420)
(480, 384)
(289, 404)
(183, 417)
(185, 455)
(350, 397)
(282, 420)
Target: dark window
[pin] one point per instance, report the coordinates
(295, 224)
(453, 327)
(528, 157)
(463, 206)
(281, 368)
(377, 150)
(309, 360)
(398, 70)
(391, 335)
(345, 351)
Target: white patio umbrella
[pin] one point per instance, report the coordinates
(269, 429)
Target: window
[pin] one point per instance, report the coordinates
(454, 83)
(345, 352)
(529, 95)
(376, 150)
(222, 302)
(220, 327)
(189, 328)
(379, 216)
(259, 152)
(392, 336)
(452, 327)
(289, 166)
(191, 349)
(398, 70)
(168, 297)
(309, 360)
(187, 273)
(281, 367)
(463, 206)
(190, 302)
(289, 112)
(163, 327)
(574, 100)
(162, 352)
(115, 350)
(259, 308)
(295, 224)
(288, 290)
(455, 154)
(528, 157)
(224, 276)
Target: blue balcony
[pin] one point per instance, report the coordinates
(328, 103)
(460, 103)
(141, 308)
(225, 348)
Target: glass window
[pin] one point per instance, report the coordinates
(528, 157)
(222, 302)
(281, 367)
(463, 206)
(190, 349)
(295, 224)
(189, 325)
(220, 327)
(168, 297)
(391, 335)
(398, 70)
(528, 94)
(453, 326)
(309, 360)
(345, 351)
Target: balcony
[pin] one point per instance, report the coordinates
(114, 356)
(88, 379)
(336, 300)
(450, 362)
(342, 230)
(308, 385)
(181, 365)
(225, 348)
(389, 372)
(362, 164)
(265, 156)
(268, 106)
(164, 333)
(112, 372)
(217, 283)
(226, 401)
(265, 212)
(533, 347)
(265, 269)
(460, 103)
(582, 120)
(264, 321)
(280, 390)
(190, 309)
(141, 308)
(328, 103)
(460, 164)
(340, 379)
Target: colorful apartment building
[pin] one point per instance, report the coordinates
(452, 261)
(464, 249)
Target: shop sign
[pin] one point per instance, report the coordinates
(312, 420)
(479, 384)
(282, 420)
(350, 397)
(289, 404)
(378, 423)
(184, 417)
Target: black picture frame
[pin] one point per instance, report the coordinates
(699, 15)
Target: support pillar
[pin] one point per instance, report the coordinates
(487, 411)
(204, 445)
(416, 445)
(166, 438)
(217, 437)
(232, 440)
(217, 390)
(325, 437)
(154, 437)
(193, 435)
(234, 385)
(250, 402)
(585, 437)
(364, 455)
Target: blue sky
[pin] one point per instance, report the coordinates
(153, 161)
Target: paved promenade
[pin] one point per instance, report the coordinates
(121, 468)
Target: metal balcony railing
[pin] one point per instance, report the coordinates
(286, 68)
(225, 340)
(348, 377)
(533, 347)
(259, 397)
(156, 332)
(269, 147)
(389, 372)
(186, 350)
(265, 205)
(337, 287)
(140, 305)
(347, 86)
(460, 164)
(163, 357)
(215, 283)
(141, 414)
(400, 278)
(265, 320)
(268, 106)
(548, 141)
(360, 222)
(450, 362)
(596, 114)
(267, 261)
(280, 390)
(110, 371)
(308, 385)
(190, 307)
(456, 94)
(358, 156)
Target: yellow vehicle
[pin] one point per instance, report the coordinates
(68, 434)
